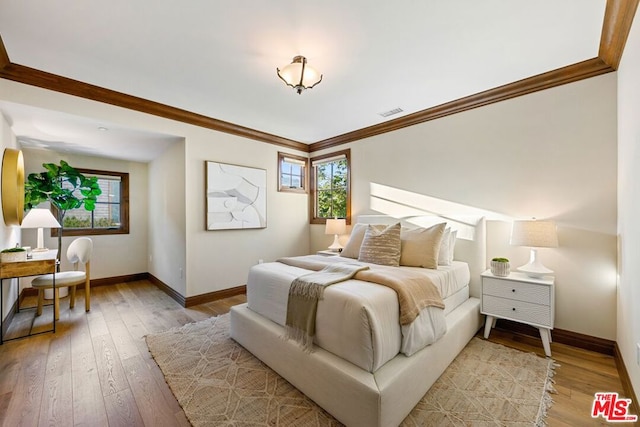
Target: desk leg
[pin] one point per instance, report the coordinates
(56, 292)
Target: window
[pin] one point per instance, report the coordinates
(330, 187)
(111, 215)
(292, 173)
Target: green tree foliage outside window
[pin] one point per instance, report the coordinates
(106, 213)
(331, 191)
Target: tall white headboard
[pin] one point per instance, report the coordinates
(471, 245)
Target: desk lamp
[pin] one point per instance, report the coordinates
(40, 218)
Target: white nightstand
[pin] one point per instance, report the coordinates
(327, 253)
(520, 298)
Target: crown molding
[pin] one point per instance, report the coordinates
(617, 23)
(34, 77)
(4, 56)
(618, 18)
(582, 70)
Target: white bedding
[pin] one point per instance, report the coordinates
(365, 314)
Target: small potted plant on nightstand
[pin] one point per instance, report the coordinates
(13, 255)
(500, 267)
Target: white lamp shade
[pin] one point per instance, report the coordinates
(40, 218)
(537, 234)
(336, 226)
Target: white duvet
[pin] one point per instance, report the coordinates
(359, 321)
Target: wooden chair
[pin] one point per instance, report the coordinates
(79, 252)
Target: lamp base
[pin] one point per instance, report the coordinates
(335, 246)
(534, 267)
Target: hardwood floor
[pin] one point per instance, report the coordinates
(96, 370)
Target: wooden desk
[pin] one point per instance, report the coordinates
(41, 263)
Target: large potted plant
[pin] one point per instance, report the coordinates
(65, 188)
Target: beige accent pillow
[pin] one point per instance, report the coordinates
(381, 247)
(452, 245)
(420, 246)
(443, 253)
(352, 248)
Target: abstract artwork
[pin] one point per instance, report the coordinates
(236, 197)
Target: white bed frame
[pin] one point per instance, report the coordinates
(352, 395)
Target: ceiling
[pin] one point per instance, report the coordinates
(218, 59)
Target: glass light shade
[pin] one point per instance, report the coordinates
(537, 234)
(300, 75)
(336, 226)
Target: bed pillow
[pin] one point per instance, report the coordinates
(420, 246)
(443, 253)
(381, 246)
(352, 248)
(452, 245)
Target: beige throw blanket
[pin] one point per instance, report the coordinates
(304, 294)
(415, 291)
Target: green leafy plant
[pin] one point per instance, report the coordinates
(500, 259)
(332, 190)
(64, 187)
(12, 250)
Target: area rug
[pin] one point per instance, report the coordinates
(219, 383)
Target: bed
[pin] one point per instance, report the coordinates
(374, 371)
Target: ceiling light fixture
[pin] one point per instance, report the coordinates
(299, 75)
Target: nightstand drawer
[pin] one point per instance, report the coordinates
(520, 291)
(517, 310)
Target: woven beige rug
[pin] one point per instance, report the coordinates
(219, 383)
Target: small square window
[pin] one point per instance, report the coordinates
(292, 173)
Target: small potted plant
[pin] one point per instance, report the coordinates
(13, 255)
(500, 267)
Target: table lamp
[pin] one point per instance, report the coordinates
(40, 218)
(335, 227)
(535, 234)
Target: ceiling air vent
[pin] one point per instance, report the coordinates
(391, 112)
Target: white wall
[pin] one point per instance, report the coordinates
(215, 260)
(550, 154)
(167, 217)
(629, 204)
(9, 236)
(116, 254)
(220, 259)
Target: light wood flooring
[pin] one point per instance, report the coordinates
(96, 370)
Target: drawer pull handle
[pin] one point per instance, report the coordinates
(514, 309)
(513, 290)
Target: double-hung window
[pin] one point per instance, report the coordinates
(330, 187)
(111, 214)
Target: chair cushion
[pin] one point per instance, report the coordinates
(64, 278)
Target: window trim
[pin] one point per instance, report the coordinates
(305, 181)
(124, 208)
(312, 185)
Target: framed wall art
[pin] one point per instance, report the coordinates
(236, 197)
